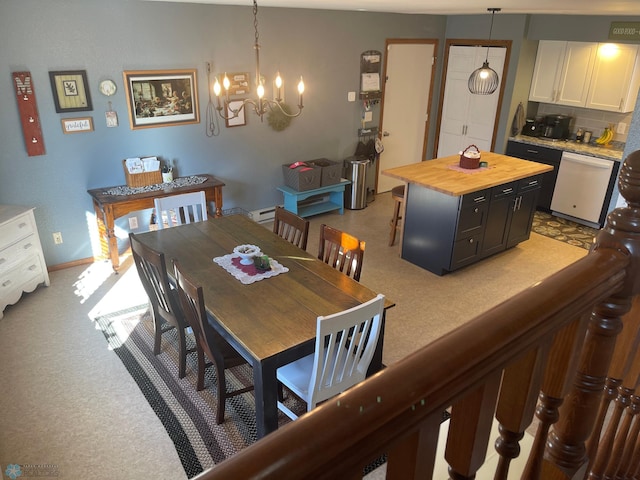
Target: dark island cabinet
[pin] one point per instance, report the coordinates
(443, 233)
(537, 153)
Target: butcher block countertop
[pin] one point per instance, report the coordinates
(445, 176)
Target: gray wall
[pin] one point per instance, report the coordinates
(107, 37)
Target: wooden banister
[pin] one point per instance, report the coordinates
(556, 341)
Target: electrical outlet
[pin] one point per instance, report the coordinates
(57, 238)
(133, 223)
(622, 128)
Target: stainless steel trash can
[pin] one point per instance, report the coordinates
(355, 195)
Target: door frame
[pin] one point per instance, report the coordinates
(457, 42)
(405, 41)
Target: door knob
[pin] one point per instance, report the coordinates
(385, 134)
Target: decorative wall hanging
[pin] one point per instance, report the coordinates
(77, 125)
(161, 98)
(28, 108)
(70, 91)
(239, 120)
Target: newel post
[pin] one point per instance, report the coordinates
(566, 456)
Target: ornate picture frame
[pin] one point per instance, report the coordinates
(161, 98)
(70, 91)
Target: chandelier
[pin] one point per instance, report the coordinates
(484, 80)
(259, 105)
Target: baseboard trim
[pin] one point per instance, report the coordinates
(75, 263)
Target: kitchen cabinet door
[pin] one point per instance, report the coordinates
(523, 211)
(615, 80)
(498, 219)
(546, 72)
(468, 119)
(562, 72)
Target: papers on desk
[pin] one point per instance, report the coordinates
(140, 165)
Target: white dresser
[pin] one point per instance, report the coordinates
(22, 266)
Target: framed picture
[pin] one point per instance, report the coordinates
(70, 91)
(238, 121)
(161, 98)
(77, 125)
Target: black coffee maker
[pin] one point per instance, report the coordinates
(533, 127)
(556, 127)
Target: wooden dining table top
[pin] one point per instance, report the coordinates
(271, 315)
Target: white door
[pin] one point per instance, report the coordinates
(405, 107)
(468, 119)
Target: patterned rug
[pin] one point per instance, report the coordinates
(563, 230)
(188, 415)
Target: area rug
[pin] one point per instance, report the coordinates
(187, 415)
(563, 230)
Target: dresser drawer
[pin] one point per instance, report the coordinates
(16, 229)
(23, 277)
(16, 253)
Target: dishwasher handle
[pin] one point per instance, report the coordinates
(586, 160)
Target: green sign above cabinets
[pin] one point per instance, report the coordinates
(624, 31)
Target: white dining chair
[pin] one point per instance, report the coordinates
(180, 209)
(345, 343)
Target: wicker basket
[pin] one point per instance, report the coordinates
(470, 159)
(141, 179)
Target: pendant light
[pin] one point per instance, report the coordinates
(484, 80)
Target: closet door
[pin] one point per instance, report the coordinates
(468, 119)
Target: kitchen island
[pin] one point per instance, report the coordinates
(455, 217)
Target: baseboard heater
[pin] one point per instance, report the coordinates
(263, 215)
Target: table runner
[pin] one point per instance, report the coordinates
(178, 182)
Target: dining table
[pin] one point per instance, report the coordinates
(270, 319)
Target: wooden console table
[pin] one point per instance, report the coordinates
(109, 207)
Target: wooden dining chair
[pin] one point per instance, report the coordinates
(163, 298)
(345, 343)
(341, 250)
(209, 342)
(291, 227)
(180, 209)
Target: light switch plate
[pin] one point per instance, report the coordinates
(351, 96)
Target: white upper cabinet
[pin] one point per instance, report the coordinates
(562, 72)
(615, 80)
(601, 76)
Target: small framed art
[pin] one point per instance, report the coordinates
(239, 120)
(70, 91)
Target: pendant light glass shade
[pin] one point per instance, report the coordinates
(484, 80)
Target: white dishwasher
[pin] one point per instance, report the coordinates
(581, 187)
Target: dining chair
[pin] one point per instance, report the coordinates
(341, 250)
(208, 341)
(291, 227)
(179, 209)
(345, 343)
(163, 299)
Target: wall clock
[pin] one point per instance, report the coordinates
(107, 87)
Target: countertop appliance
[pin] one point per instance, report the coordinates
(582, 188)
(533, 128)
(556, 127)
